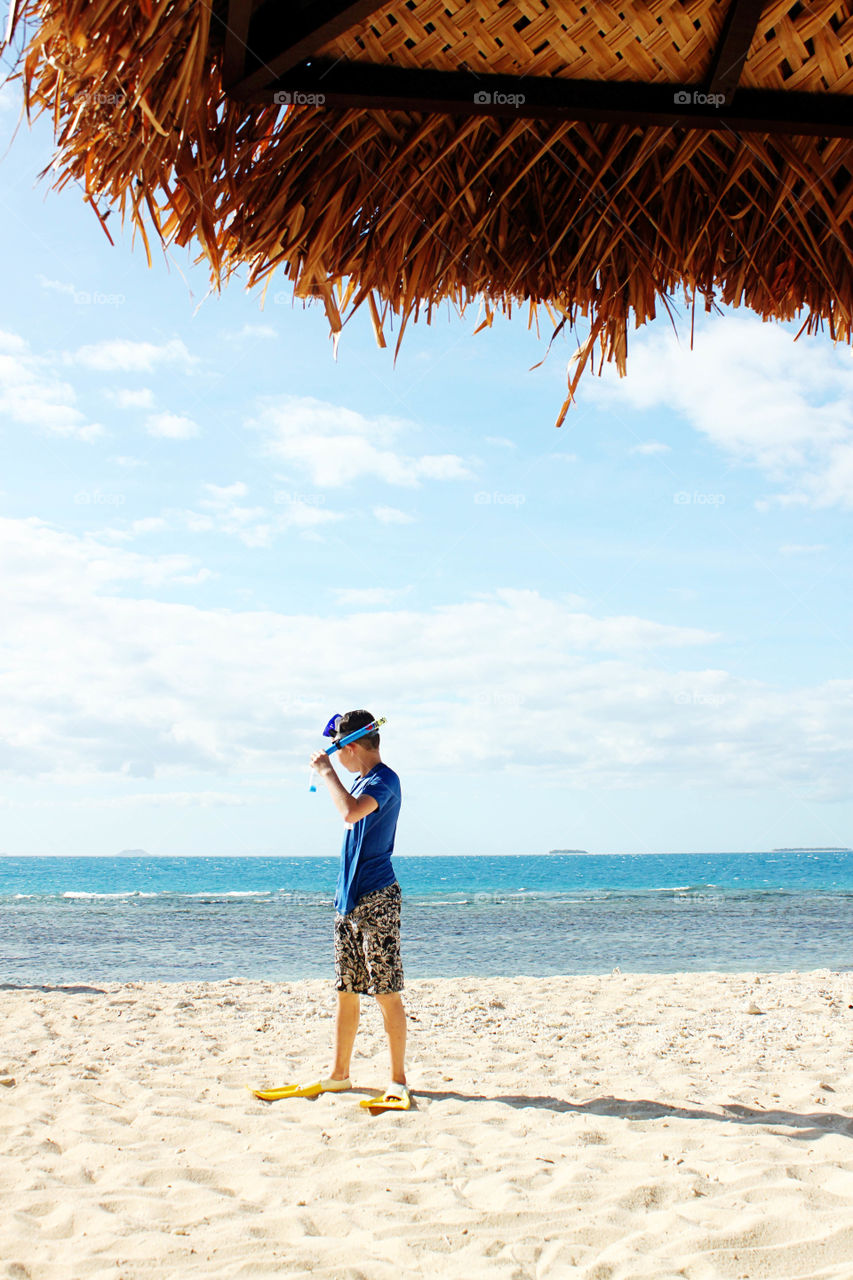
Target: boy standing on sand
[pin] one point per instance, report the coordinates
(367, 906)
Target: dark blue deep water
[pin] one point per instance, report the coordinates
(65, 920)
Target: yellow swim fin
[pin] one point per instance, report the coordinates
(301, 1090)
(395, 1098)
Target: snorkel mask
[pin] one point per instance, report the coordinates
(333, 727)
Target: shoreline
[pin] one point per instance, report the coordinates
(109, 985)
(618, 1125)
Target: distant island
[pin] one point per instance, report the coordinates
(585, 852)
(133, 853)
(826, 848)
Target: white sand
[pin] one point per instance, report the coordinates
(607, 1127)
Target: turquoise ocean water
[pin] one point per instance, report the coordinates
(72, 920)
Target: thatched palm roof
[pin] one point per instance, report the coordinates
(590, 158)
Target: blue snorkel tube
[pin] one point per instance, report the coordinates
(332, 728)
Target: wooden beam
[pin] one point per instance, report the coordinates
(387, 88)
(282, 35)
(236, 39)
(735, 39)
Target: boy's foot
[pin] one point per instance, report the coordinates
(302, 1090)
(395, 1098)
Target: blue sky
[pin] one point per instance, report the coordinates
(630, 634)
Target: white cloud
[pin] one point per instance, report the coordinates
(833, 484)
(10, 99)
(650, 447)
(115, 355)
(336, 446)
(171, 426)
(125, 460)
(110, 680)
(57, 286)
(392, 515)
(360, 598)
(256, 331)
(169, 799)
(307, 515)
(442, 466)
(785, 407)
(252, 525)
(802, 549)
(32, 395)
(12, 343)
(136, 529)
(149, 524)
(128, 398)
(255, 526)
(223, 495)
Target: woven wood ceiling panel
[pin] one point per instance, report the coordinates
(803, 47)
(665, 41)
(808, 47)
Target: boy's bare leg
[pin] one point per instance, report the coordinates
(394, 1017)
(346, 1025)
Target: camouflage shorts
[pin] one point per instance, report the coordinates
(367, 945)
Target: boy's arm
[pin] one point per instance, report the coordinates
(351, 808)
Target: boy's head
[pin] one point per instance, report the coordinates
(364, 752)
(354, 720)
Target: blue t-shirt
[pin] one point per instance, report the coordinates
(368, 844)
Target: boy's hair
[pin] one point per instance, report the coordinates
(357, 720)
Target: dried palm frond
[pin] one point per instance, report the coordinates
(406, 210)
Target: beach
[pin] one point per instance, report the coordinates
(608, 1127)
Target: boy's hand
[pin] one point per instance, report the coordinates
(322, 762)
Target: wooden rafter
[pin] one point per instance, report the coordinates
(367, 87)
(735, 39)
(280, 36)
(236, 39)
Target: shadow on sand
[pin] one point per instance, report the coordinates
(810, 1125)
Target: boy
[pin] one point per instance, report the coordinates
(367, 904)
